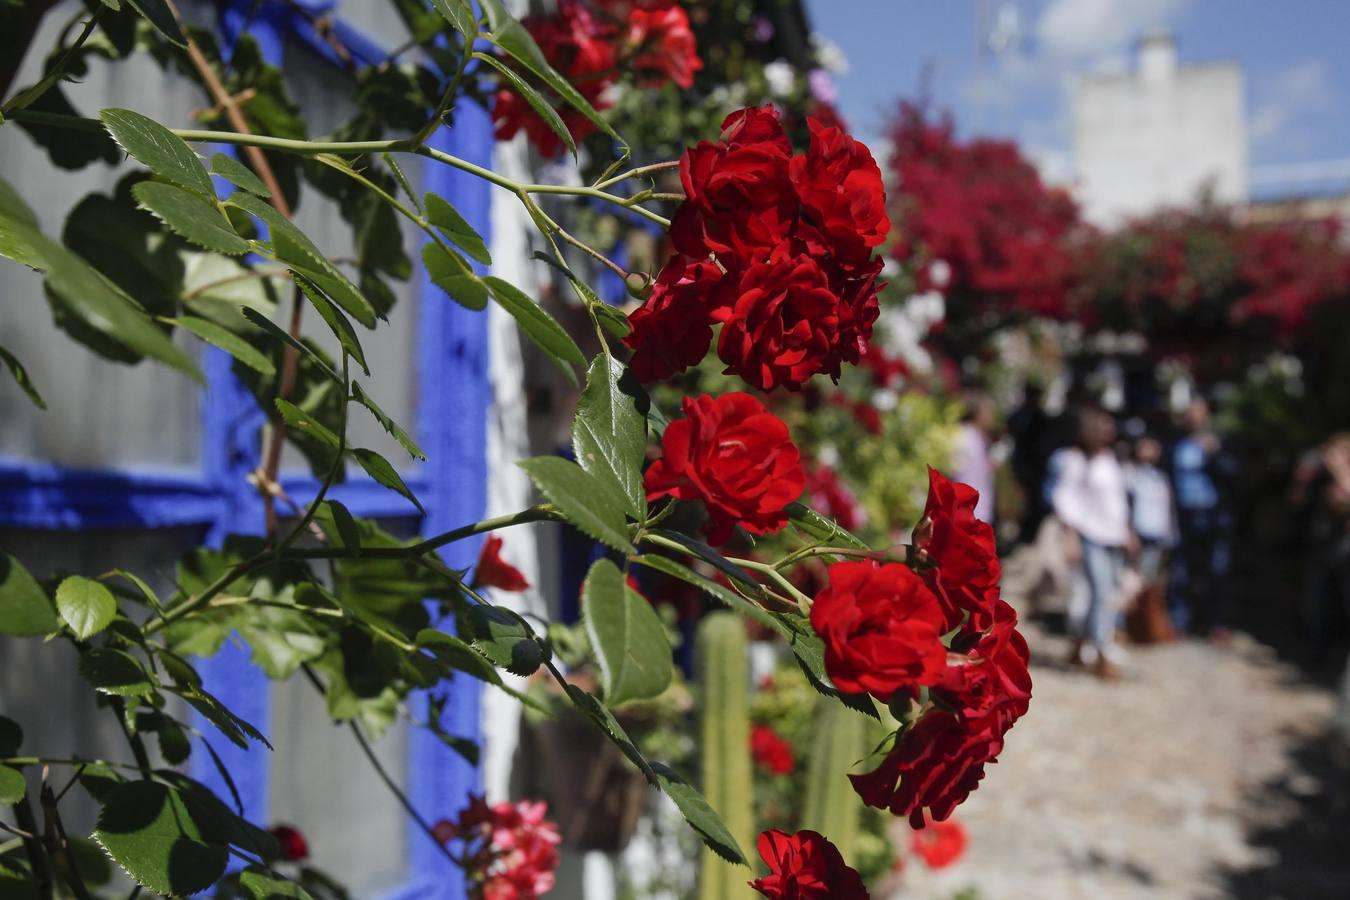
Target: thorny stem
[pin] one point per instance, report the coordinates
(593, 253)
(639, 171)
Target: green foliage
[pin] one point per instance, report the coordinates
(628, 637)
(722, 654)
(162, 838)
(593, 505)
(609, 435)
(86, 606)
(25, 608)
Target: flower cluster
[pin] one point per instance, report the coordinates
(771, 751)
(884, 625)
(806, 866)
(510, 849)
(736, 457)
(775, 248)
(591, 45)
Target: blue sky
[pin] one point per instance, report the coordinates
(1293, 54)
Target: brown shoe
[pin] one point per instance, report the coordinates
(1105, 669)
(1075, 658)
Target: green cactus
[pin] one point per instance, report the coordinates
(830, 806)
(722, 654)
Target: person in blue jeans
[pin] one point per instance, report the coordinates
(1201, 473)
(1090, 500)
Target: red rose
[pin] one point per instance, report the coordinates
(665, 49)
(882, 629)
(783, 326)
(831, 497)
(940, 844)
(671, 331)
(771, 751)
(841, 192)
(293, 845)
(736, 457)
(994, 679)
(494, 572)
(961, 549)
(806, 866)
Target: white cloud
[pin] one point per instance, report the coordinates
(1289, 94)
(1087, 30)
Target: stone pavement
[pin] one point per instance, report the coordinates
(1205, 772)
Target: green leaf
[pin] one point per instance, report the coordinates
(456, 228)
(190, 217)
(232, 726)
(12, 786)
(335, 320)
(276, 331)
(389, 425)
(257, 883)
(596, 712)
(82, 295)
(538, 325)
(821, 528)
(627, 635)
(25, 609)
(378, 468)
(11, 737)
(173, 741)
(452, 276)
(297, 418)
(511, 36)
(293, 247)
(154, 833)
(712, 557)
(541, 107)
(159, 150)
(116, 672)
(85, 605)
(21, 377)
(457, 654)
(609, 435)
(345, 525)
(238, 174)
(231, 343)
(505, 639)
(700, 816)
(157, 13)
(460, 15)
(593, 505)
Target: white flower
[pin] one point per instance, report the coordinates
(940, 273)
(828, 55)
(780, 77)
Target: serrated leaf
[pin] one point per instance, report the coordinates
(395, 430)
(346, 526)
(280, 334)
(505, 639)
(379, 468)
(112, 671)
(78, 292)
(158, 14)
(297, 418)
(159, 839)
(335, 320)
(257, 883)
(20, 374)
(451, 275)
(25, 608)
(541, 107)
(593, 505)
(158, 149)
(701, 817)
(238, 174)
(609, 435)
(508, 34)
(231, 343)
(822, 528)
(538, 325)
(12, 786)
(460, 16)
(189, 216)
(455, 228)
(627, 635)
(594, 710)
(295, 249)
(457, 654)
(85, 605)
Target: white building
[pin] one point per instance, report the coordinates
(1158, 136)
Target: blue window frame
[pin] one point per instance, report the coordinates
(454, 393)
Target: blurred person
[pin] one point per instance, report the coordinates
(1090, 499)
(1153, 521)
(1201, 472)
(971, 460)
(1321, 490)
(1029, 427)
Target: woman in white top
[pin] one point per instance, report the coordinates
(1090, 500)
